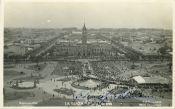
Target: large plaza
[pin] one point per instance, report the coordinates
(91, 69)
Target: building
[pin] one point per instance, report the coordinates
(85, 49)
(84, 41)
(84, 35)
(155, 82)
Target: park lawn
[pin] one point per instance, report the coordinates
(12, 73)
(166, 102)
(165, 95)
(17, 95)
(64, 79)
(36, 67)
(54, 102)
(29, 78)
(126, 102)
(30, 95)
(65, 91)
(117, 90)
(9, 66)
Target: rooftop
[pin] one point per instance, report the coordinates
(151, 80)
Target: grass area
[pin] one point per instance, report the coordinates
(9, 66)
(64, 68)
(164, 95)
(158, 66)
(54, 102)
(29, 78)
(17, 95)
(37, 67)
(12, 73)
(126, 102)
(64, 79)
(65, 91)
(101, 86)
(118, 90)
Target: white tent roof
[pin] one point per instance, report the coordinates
(139, 79)
(152, 80)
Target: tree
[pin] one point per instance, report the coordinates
(39, 68)
(31, 75)
(162, 50)
(34, 83)
(170, 66)
(16, 83)
(21, 72)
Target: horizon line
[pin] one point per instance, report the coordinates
(90, 28)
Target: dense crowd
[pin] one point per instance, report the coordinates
(110, 69)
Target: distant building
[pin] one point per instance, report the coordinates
(76, 32)
(86, 48)
(150, 82)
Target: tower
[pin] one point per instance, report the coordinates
(84, 35)
(84, 41)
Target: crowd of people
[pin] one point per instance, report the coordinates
(110, 69)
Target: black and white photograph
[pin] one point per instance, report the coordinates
(88, 53)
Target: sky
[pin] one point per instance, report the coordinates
(94, 14)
